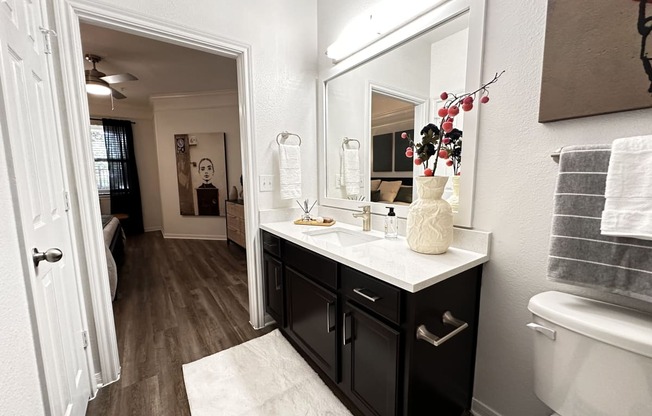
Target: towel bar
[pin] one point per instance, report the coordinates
(284, 135)
(346, 140)
(555, 155)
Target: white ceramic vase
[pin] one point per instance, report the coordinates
(430, 218)
(454, 199)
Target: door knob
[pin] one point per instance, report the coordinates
(51, 255)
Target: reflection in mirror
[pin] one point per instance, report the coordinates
(391, 170)
(376, 101)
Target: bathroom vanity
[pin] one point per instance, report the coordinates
(353, 304)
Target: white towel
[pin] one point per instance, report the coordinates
(628, 205)
(289, 163)
(351, 172)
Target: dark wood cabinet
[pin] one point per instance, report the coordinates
(312, 318)
(370, 362)
(274, 288)
(360, 333)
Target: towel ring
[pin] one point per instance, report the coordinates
(346, 140)
(284, 135)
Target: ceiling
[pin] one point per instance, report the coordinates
(161, 68)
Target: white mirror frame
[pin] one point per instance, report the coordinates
(418, 26)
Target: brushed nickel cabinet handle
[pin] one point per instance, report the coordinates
(371, 297)
(329, 327)
(278, 285)
(344, 341)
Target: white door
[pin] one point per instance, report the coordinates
(36, 153)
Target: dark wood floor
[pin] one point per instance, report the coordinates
(177, 301)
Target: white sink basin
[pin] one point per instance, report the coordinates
(341, 237)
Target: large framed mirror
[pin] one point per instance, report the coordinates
(390, 87)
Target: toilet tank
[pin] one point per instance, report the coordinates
(591, 358)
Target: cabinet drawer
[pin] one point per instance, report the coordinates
(235, 223)
(238, 238)
(271, 244)
(313, 265)
(237, 210)
(370, 292)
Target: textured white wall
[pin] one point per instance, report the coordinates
(19, 383)
(514, 187)
(211, 113)
(145, 148)
(283, 40)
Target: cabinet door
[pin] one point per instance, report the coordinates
(312, 320)
(370, 362)
(274, 288)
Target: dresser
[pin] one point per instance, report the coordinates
(235, 223)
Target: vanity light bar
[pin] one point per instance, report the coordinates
(373, 24)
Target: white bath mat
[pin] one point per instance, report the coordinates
(262, 377)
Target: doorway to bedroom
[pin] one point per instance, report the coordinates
(170, 180)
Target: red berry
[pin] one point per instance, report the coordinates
(446, 140)
(485, 99)
(449, 162)
(428, 172)
(409, 153)
(467, 100)
(453, 111)
(442, 112)
(444, 95)
(467, 107)
(443, 153)
(418, 161)
(404, 135)
(447, 126)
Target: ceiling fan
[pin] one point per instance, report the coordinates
(98, 82)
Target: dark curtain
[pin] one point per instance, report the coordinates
(123, 174)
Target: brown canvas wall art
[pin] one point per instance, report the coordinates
(597, 58)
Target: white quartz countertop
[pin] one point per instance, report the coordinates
(391, 261)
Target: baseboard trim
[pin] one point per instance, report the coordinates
(480, 409)
(195, 236)
(150, 229)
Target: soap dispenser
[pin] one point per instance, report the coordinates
(391, 229)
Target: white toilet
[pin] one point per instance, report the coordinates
(591, 358)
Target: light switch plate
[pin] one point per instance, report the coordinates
(266, 183)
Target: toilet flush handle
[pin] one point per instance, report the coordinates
(550, 333)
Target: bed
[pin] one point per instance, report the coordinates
(114, 243)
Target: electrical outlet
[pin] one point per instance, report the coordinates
(266, 183)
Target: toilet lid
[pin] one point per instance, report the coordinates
(622, 327)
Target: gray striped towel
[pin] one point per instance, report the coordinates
(579, 253)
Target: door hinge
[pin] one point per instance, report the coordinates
(47, 42)
(66, 201)
(85, 339)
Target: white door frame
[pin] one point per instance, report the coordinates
(68, 14)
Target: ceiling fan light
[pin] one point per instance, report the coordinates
(97, 88)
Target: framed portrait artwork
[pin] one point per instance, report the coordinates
(201, 173)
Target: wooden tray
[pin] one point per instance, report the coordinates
(321, 224)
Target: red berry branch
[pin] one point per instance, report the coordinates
(432, 136)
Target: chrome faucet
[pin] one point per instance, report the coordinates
(366, 217)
